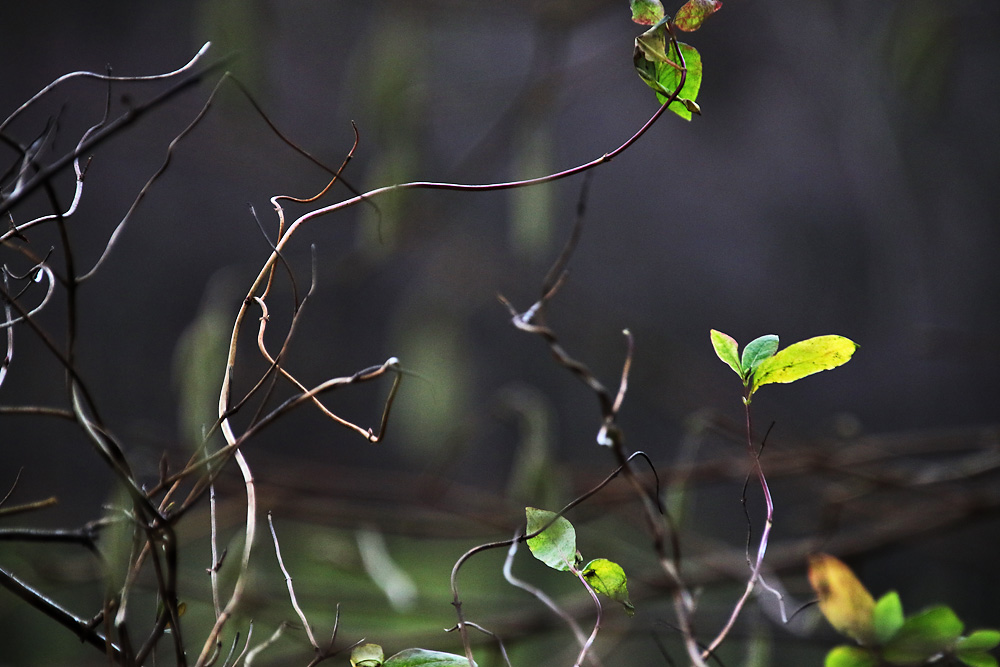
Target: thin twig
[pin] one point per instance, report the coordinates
(288, 583)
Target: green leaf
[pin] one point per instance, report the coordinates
(924, 635)
(977, 659)
(727, 349)
(608, 578)
(556, 545)
(757, 351)
(694, 12)
(646, 12)
(803, 358)
(670, 77)
(888, 617)
(980, 640)
(418, 657)
(850, 656)
(367, 655)
(658, 63)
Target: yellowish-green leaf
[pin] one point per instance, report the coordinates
(850, 656)
(803, 358)
(980, 640)
(367, 655)
(976, 659)
(608, 578)
(727, 349)
(844, 600)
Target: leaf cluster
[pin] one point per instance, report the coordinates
(885, 636)
(555, 545)
(761, 363)
(671, 68)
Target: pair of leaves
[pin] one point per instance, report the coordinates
(371, 655)
(762, 363)
(556, 547)
(688, 18)
(660, 60)
(885, 634)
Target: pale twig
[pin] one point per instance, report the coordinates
(260, 648)
(288, 583)
(249, 534)
(364, 375)
(597, 621)
(9, 354)
(19, 229)
(539, 594)
(758, 563)
(45, 174)
(104, 77)
(246, 646)
(216, 561)
(8, 299)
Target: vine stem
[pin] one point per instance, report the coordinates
(755, 566)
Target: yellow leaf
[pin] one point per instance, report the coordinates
(844, 600)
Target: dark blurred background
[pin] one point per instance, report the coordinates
(842, 179)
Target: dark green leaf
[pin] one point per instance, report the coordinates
(694, 12)
(608, 578)
(646, 12)
(888, 617)
(418, 657)
(556, 545)
(757, 351)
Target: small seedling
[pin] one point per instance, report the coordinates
(762, 363)
(883, 634)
